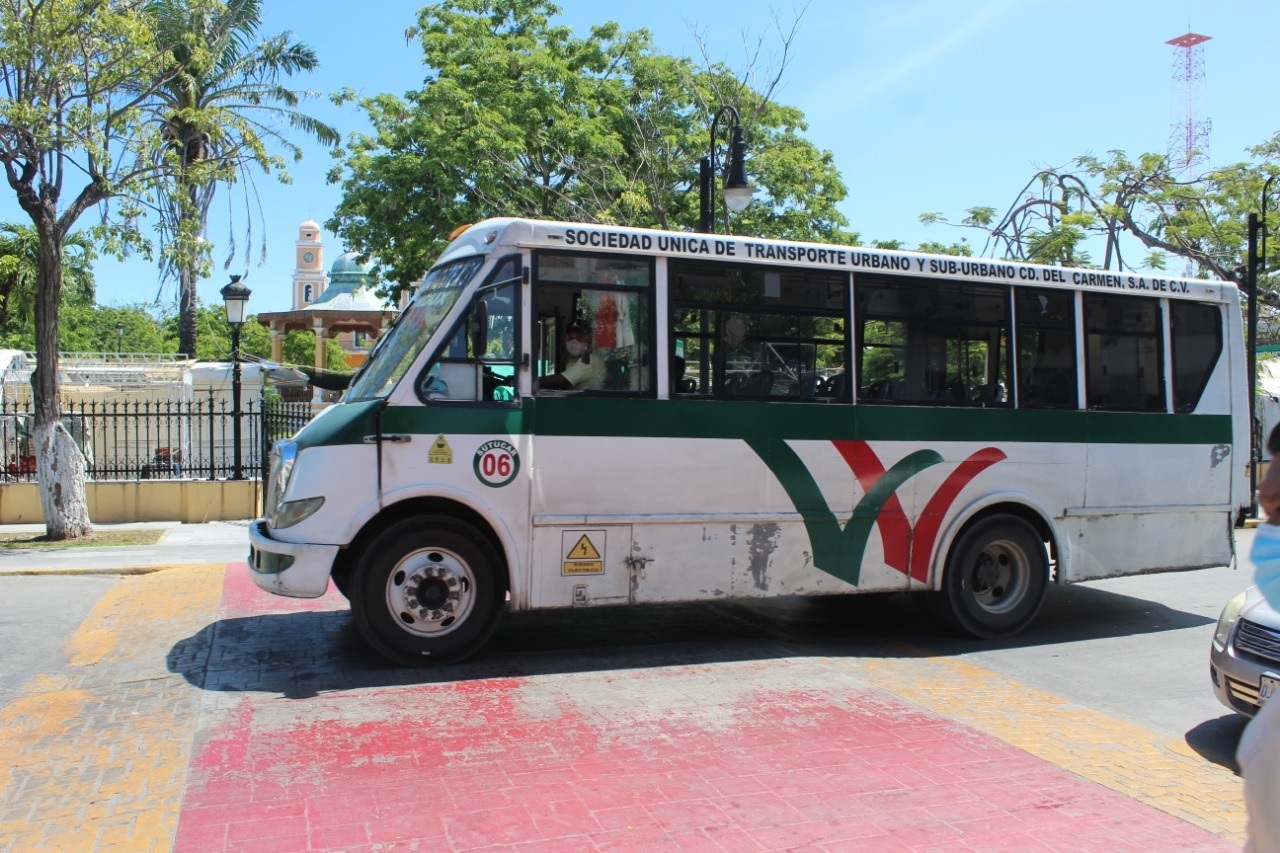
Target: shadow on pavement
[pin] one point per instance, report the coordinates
(1216, 740)
(301, 654)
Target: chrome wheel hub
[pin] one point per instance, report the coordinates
(431, 592)
(999, 577)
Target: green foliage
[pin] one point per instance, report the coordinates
(219, 107)
(520, 117)
(300, 349)
(214, 341)
(959, 249)
(73, 136)
(89, 328)
(20, 272)
(140, 329)
(1115, 201)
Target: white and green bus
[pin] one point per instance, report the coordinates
(758, 418)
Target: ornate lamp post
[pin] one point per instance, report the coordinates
(737, 192)
(236, 297)
(119, 339)
(1256, 263)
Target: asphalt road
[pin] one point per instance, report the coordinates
(37, 614)
(198, 669)
(1135, 648)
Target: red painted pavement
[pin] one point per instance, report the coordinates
(515, 763)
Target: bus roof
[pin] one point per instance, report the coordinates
(538, 234)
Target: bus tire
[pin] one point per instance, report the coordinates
(996, 576)
(427, 590)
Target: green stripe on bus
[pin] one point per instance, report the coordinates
(753, 421)
(800, 421)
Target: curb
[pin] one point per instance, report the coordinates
(88, 570)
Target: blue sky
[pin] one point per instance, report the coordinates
(927, 105)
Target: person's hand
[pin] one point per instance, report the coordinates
(554, 382)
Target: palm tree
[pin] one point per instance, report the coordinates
(20, 272)
(219, 115)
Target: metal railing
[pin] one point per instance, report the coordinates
(150, 440)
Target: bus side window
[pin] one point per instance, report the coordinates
(1046, 322)
(612, 324)
(933, 342)
(1123, 353)
(756, 332)
(1196, 338)
(478, 364)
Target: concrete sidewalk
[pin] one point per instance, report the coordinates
(213, 542)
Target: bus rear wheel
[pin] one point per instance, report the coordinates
(996, 576)
(427, 590)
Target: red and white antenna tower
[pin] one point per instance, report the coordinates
(1189, 130)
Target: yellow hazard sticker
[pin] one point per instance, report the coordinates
(440, 453)
(583, 557)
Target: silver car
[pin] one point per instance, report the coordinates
(1244, 663)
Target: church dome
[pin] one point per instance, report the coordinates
(347, 263)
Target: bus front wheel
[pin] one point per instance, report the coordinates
(427, 590)
(996, 577)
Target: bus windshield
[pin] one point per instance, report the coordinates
(405, 340)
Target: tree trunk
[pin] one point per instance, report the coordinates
(60, 469)
(186, 309)
(188, 296)
(59, 463)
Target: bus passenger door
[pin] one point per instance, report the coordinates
(458, 431)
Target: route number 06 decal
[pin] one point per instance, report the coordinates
(496, 463)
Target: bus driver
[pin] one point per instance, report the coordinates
(581, 372)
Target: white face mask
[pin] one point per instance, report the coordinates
(575, 348)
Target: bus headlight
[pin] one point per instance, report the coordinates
(1227, 619)
(291, 512)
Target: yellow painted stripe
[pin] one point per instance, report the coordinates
(1122, 756)
(95, 758)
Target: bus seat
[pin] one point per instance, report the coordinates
(835, 385)
(617, 374)
(991, 393)
(761, 384)
(808, 386)
(882, 390)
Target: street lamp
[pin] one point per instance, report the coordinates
(1256, 263)
(737, 192)
(119, 338)
(236, 297)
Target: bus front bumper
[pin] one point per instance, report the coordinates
(287, 568)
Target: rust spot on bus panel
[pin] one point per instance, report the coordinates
(762, 541)
(1218, 453)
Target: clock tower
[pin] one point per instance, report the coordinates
(309, 279)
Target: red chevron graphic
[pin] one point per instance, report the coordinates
(908, 548)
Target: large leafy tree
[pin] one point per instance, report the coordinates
(73, 136)
(142, 328)
(520, 117)
(113, 329)
(222, 109)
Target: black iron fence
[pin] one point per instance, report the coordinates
(157, 440)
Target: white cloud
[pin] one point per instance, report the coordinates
(948, 37)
